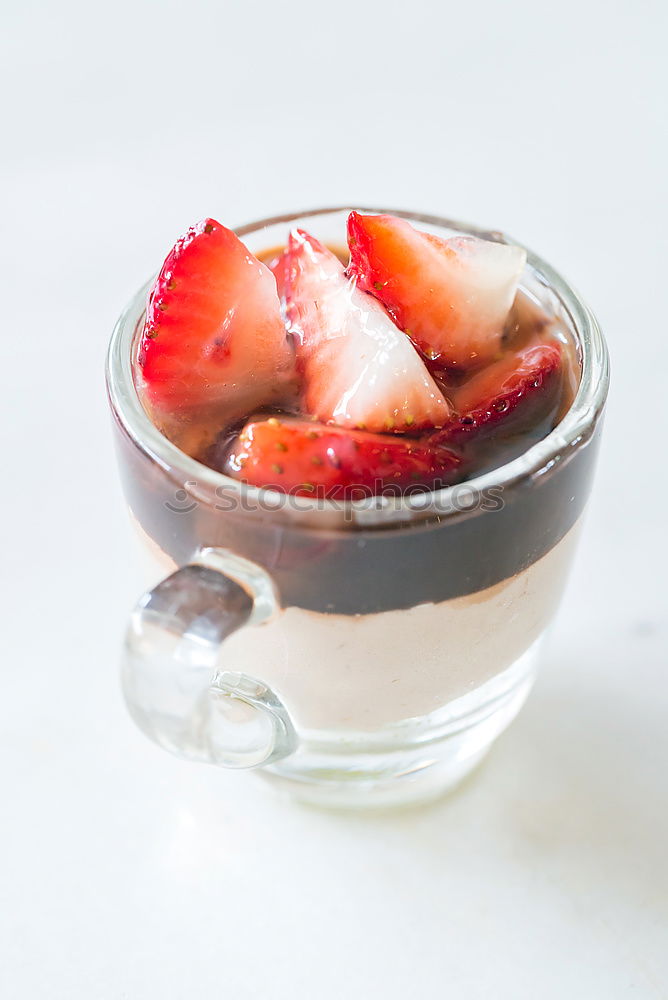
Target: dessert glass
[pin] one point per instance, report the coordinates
(358, 653)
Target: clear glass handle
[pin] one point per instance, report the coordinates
(172, 681)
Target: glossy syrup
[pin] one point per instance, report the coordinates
(527, 323)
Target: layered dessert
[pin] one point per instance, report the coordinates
(383, 372)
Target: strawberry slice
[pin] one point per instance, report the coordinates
(523, 386)
(327, 462)
(359, 370)
(214, 336)
(451, 296)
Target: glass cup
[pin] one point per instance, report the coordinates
(361, 653)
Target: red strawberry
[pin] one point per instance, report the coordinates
(359, 370)
(450, 296)
(309, 459)
(519, 385)
(213, 335)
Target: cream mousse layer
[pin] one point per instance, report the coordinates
(362, 672)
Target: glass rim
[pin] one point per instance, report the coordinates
(540, 459)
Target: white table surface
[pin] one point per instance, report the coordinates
(129, 874)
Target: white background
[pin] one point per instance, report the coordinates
(129, 874)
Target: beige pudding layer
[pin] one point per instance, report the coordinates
(361, 672)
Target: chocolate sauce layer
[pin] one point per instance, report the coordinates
(364, 571)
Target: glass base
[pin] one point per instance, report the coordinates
(409, 762)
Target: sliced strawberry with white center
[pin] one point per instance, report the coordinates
(328, 462)
(451, 296)
(359, 370)
(214, 337)
(513, 393)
